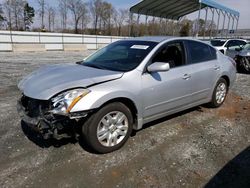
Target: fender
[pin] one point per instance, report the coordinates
(95, 100)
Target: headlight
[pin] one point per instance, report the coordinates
(64, 102)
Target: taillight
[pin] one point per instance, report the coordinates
(232, 61)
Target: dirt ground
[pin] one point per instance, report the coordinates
(201, 147)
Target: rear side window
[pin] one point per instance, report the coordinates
(199, 52)
(213, 53)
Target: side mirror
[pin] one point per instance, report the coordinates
(158, 67)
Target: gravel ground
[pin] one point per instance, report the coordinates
(200, 147)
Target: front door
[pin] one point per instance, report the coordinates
(167, 91)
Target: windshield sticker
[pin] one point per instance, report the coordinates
(140, 47)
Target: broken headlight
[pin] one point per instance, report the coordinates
(64, 102)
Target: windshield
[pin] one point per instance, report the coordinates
(247, 47)
(217, 42)
(120, 56)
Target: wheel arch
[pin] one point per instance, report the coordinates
(225, 77)
(127, 102)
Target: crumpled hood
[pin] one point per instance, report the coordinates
(244, 53)
(50, 80)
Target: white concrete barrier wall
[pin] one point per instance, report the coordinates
(53, 41)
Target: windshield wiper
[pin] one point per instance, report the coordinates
(93, 65)
(79, 62)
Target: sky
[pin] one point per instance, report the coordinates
(243, 6)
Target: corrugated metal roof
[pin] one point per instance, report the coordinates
(174, 9)
(216, 5)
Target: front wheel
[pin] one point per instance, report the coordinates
(109, 128)
(219, 93)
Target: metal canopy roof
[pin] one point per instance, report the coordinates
(174, 9)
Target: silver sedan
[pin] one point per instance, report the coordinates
(123, 86)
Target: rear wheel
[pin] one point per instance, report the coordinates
(109, 128)
(220, 93)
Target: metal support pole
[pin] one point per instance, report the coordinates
(173, 27)
(233, 25)
(205, 24)
(198, 22)
(223, 26)
(237, 26)
(178, 24)
(146, 24)
(138, 26)
(39, 36)
(160, 32)
(62, 42)
(11, 38)
(130, 24)
(228, 25)
(211, 26)
(218, 22)
(153, 19)
(96, 45)
(166, 26)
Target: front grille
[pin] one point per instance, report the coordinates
(34, 107)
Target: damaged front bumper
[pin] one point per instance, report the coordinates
(37, 115)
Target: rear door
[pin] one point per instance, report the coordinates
(202, 60)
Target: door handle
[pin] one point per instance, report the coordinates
(186, 76)
(216, 67)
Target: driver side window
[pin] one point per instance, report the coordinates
(172, 53)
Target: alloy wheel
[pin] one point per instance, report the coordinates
(221, 92)
(112, 128)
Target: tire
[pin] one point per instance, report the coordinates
(109, 128)
(219, 93)
(239, 68)
(245, 65)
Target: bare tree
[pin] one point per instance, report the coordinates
(18, 9)
(79, 10)
(84, 21)
(95, 9)
(7, 7)
(14, 10)
(106, 13)
(63, 9)
(2, 18)
(42, 11)
(51, 18)
(120, 17)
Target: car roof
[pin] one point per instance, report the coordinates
(157, 39)
(220, 39)
(223, 39)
